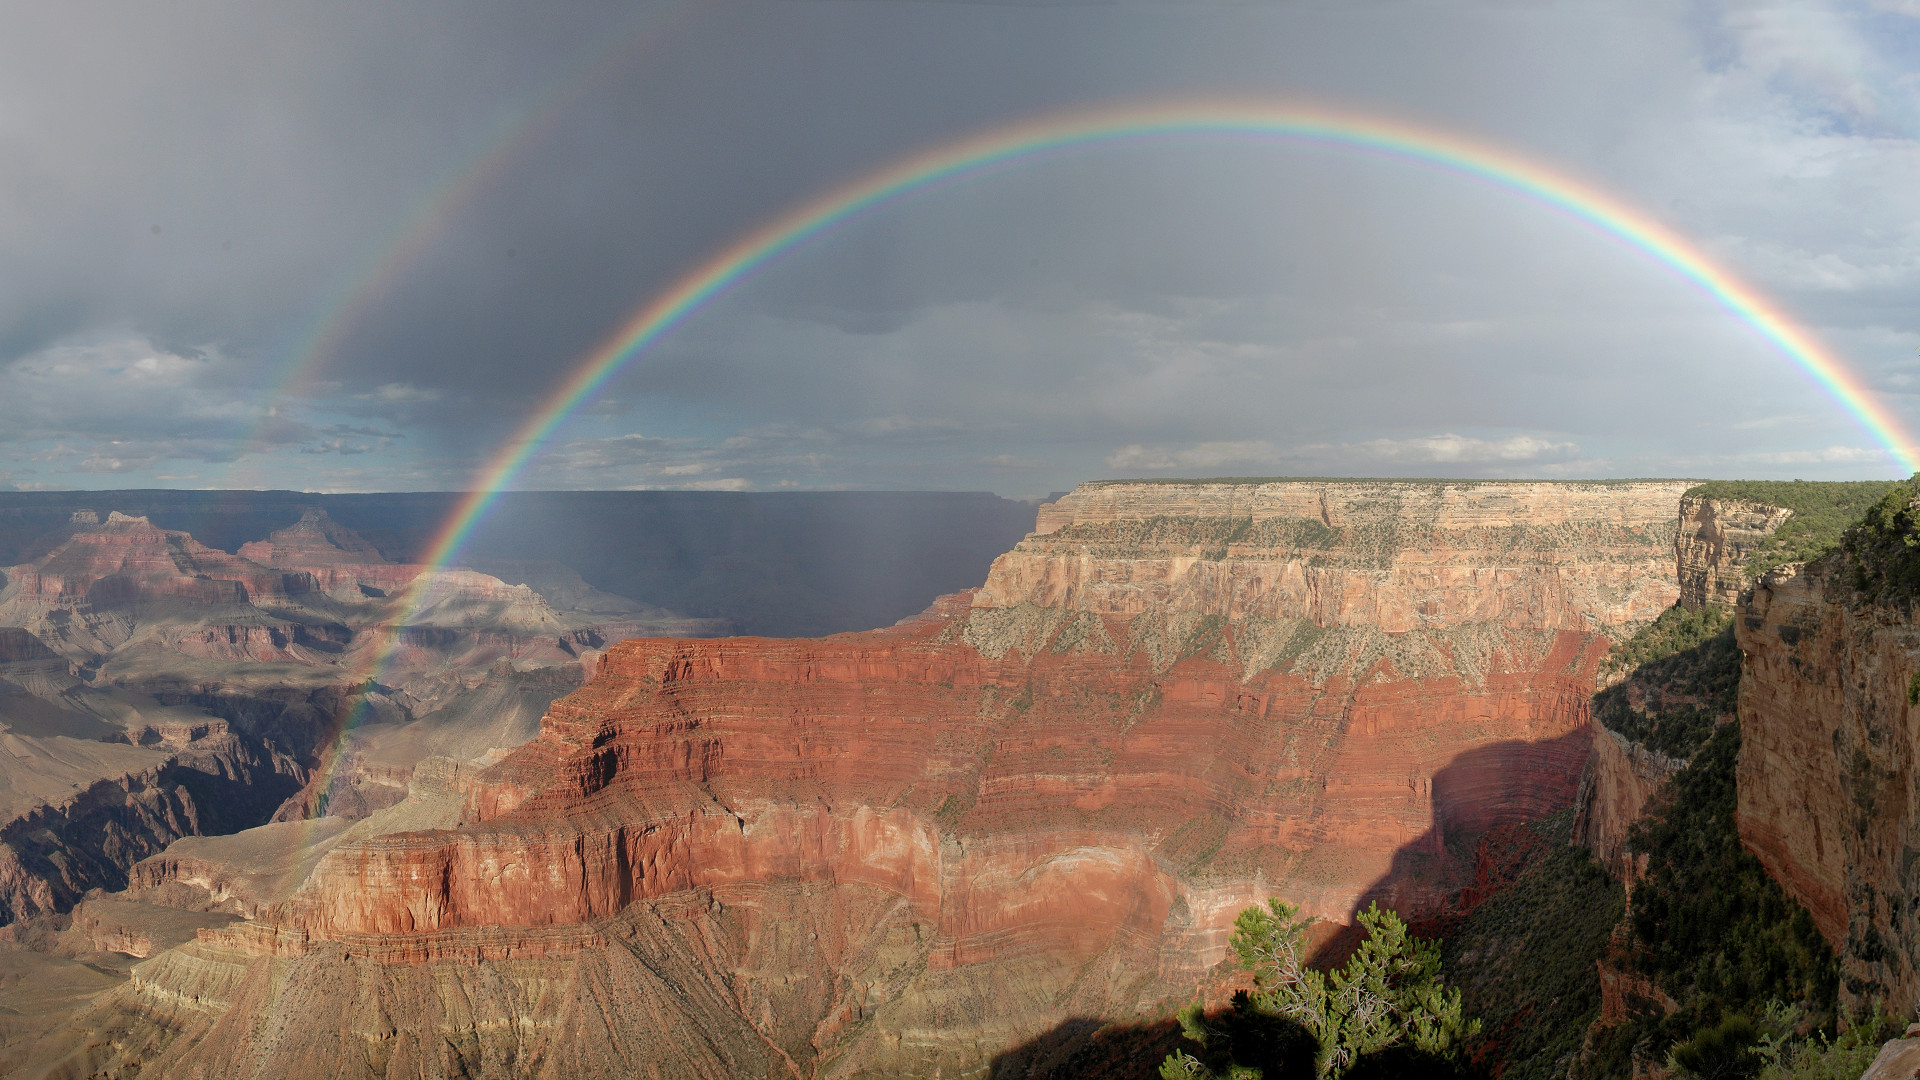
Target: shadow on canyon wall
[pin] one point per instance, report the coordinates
(1445, 871)
(1085, 1048)
(781, 564)
(1433, 880)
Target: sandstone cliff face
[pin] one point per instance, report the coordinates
(1716, 538)
(153, 688)
(901, 852)
(1619, 780)
(1392, 557)
(1829, 792)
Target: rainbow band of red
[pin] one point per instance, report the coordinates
(1297, 123)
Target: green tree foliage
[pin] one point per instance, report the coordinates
(1818, 1057)
(1729, 1050)
(1714, 934)
(1883, 550)
(1684, 678)
(1711, 924)
(1387, 1003)
(1821, 512)
(1676, 631)
(1710, 928)
(1524, 958)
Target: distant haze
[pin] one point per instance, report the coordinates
(777, 563)
(346, 246)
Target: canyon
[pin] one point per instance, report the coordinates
(915, 850)
(152, 687)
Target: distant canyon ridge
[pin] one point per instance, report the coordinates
(588, 834)
(925, 849)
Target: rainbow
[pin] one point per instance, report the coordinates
(430, 215)
(1068, 131)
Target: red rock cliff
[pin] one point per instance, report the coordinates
(1829, 781)
(1174, 701)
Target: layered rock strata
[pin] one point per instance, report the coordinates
(1717, 537)
(154, 688)
(1621, 777)
(1829, 781)
(904, 851)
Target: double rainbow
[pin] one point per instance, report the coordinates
(1068, 131)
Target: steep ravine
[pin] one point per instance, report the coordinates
(219, 782)
(1829, 776)
(1705, 757)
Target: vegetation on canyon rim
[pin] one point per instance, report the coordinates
(1882, 552)
(1720, 973)
(1386, 1012)
(1731, 975)
(1822, 511)
(1536, 994)
(1751, 985)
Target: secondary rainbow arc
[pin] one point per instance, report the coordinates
(1285, 121)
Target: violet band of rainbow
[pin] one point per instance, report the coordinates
(1065, 131)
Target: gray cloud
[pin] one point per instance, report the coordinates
(460, 201)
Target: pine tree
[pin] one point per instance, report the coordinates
(1388, 995)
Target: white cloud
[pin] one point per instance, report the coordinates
(1831, 455)
(1206, 455)
(1459, 448)
(1011, 463)
(400, 393)
(1438, 449)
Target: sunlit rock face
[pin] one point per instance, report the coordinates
(909, 851)
(1715, 540)
(1621, 779)
(1828, 778)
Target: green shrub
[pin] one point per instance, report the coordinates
(1822, 510)
(1729, 1050)
(1386, 1004)
(1685, 675)
(1524, 958)
(1883, 550)
(1818, 1057)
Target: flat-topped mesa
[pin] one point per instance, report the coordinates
(1392, 555)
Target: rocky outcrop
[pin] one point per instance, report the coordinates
(1389, 556)
(1717, 537)
(54, 854)
(899, 852)
(1620, 778)
(127, 560)
(18, 645)
(1828, 784)
(314, 541)
(1899, 1059)
(94, 593)
(153, 689)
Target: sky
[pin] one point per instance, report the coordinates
(350, 246)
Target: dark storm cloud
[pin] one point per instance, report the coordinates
(198, 187)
